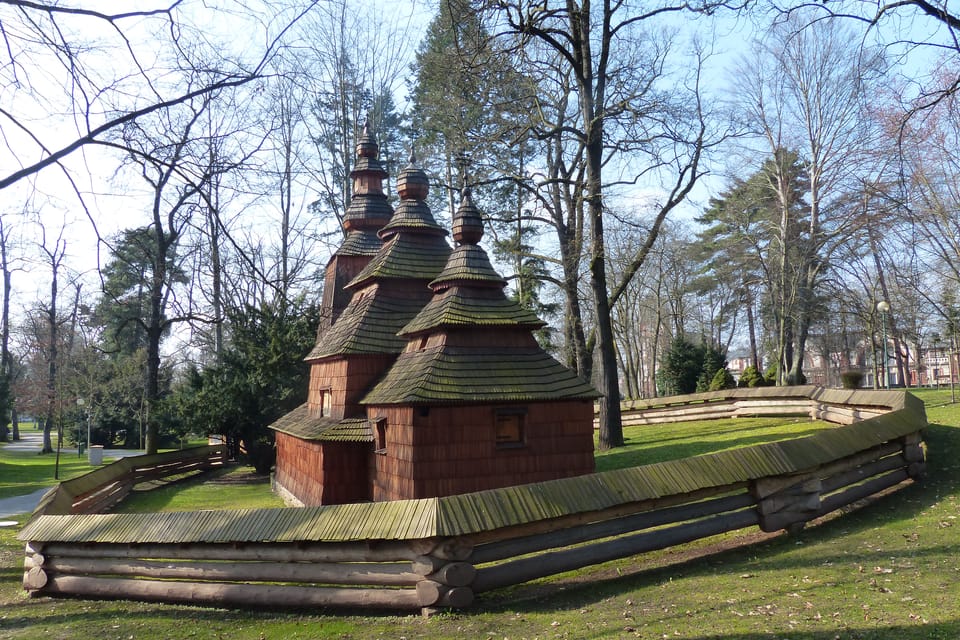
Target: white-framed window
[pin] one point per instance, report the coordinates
(325, 402)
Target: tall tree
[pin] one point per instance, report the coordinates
(615, 70)
(807, 89)
(755, 235)
(175, 168)
(54, 252)
(7, 407)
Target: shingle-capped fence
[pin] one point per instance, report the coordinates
(101, 489)
(440, 552)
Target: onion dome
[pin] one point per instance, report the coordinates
(367, 146)
(467, 223)
(413, 211)
(469, 263)
(412, 183)
(369, 209)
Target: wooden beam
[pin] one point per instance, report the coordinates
(368, 551)
(245, 595)
(525, 569)
(606, 528)
(350, 573)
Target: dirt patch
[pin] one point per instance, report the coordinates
(239, 477)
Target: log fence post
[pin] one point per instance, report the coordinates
(788, 508)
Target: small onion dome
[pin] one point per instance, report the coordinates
(366, 144)
(412, 183)
(467, 223)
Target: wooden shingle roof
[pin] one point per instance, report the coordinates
(469, 299)
(406, 255)
(450, 375)
(369, 325)
(369, 209)
(470, 264)
(360, 242)
(301, 424)
(456, 308)
(392, 288)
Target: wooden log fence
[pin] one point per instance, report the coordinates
(99, 490)
(370, 556)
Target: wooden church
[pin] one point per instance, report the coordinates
(426, 379)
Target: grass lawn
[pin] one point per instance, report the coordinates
(23, 472)
(890, 570)
(233, 488)
(646, 444)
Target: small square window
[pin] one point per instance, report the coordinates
(509, 424)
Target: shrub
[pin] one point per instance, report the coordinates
(722, 379)
(751, 378)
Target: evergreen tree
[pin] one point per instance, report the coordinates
(754, 240)
(714, 362)
(681, 368)
(470, 113)
(123, 312)
(262, 376)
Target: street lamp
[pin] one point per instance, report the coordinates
(80, 403)
(884, 308)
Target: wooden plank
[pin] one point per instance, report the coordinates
(374, 551)
(852, 476)
(607, 528)
(861, 491)
(539, 566)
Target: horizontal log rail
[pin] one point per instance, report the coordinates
(97, 491)
(449, 570)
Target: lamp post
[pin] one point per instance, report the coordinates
(80, 403)
(884, 307)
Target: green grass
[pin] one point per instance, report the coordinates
(228, 488)
(646, 444)
(23, 472)
(888, 571)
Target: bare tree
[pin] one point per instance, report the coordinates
(905, 28)
(54, 252)
(55, 62)
(7, 397)
(173, 158)
(616, 64)
(807, 91)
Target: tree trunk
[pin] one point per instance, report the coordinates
(752, 330)
(51, 414)
(5, 368)
(591, 99)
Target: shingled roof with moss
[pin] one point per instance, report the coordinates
(369, 210)
(301, 424)
(393, 287)
(368, 325)
(415, 246)
(503, 363)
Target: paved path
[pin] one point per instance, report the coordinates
(32, 440)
